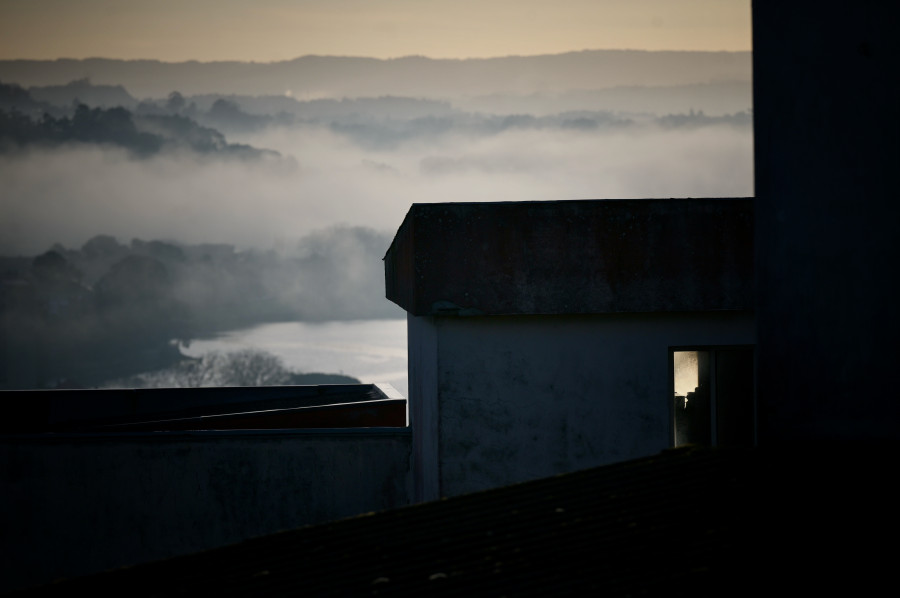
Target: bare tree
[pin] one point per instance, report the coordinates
(247, 367)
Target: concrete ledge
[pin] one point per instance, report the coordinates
(573, 257)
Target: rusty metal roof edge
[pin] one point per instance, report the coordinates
(52, 438)
(474, 313)
(426, 205)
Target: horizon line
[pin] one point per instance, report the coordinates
(389, 59)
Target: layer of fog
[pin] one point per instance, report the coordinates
(68, 195)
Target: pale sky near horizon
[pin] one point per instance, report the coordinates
(271, 30)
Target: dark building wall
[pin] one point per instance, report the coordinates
(573, 257)
(496, 400)
(74, 504)
(826, 107)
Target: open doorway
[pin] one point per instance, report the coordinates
(713, 396)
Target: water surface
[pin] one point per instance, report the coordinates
(371, 350)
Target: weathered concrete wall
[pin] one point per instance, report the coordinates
(573, 257)
(523, 397)
(422, 342)
(827, 142)
(76, 505)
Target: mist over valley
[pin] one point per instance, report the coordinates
(156, 203)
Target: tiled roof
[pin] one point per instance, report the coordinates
(687, 521)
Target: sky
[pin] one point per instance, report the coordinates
(328, 177)
(272, 30)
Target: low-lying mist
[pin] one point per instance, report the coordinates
(325, 177)
(137, 221)
(129, 250)
(106, 310)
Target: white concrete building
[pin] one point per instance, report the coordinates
(543, 335)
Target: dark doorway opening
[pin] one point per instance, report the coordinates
(713, 396)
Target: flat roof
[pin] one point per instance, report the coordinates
(127, 409)
(573, 257)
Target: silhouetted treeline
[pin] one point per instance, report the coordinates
(246, 367)
(143, 135)
(114, 126)
(195, 122)
(82, 91)
(386, 123)
(110, 310)
(391, 132)
(699, 119)
(14, 98)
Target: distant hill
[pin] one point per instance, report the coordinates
(26, 121)
(312, 77)
(81, 91)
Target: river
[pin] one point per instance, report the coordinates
(371, 350)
